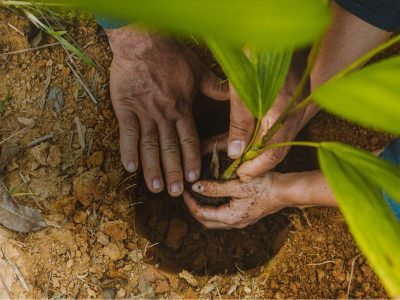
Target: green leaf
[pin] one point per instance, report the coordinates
(269, 23)
(381, 173)
(239, 70)
(370, 97)
(272, 68)
(369, 217)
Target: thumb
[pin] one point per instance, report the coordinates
(214, 87)
(129, 138)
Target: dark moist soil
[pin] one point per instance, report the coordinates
(183, 243)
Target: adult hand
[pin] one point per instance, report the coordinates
(153, 81)
(243, 123)
(249, 203)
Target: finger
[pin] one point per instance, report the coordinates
(129, 138)
(150, 155)
(190, 145)
(241, 126)
(214, 87)
(230, 188)
(261, 164)
(211, 217)
(203, 214)
(171, 159)
(220, 142)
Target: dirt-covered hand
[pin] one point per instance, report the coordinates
(242, 124)
(153, 82)
(249, 203)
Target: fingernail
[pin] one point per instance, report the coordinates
(198, 188)
(156, 185)
(176, 188)
(131, 167)
(235, 148)
(192, 176)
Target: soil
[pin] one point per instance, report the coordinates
(101, 243)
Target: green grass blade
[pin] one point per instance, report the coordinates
(239, 70)
(369, 217)
(269, 23)
(370, 97)
(272, 67)
(380, 172)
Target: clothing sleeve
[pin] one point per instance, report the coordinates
(392, 154)
(110, 23)
(384, 14)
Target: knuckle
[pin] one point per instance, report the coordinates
(150, 145)
(174, 173)
(170, 147)
(240, 127)
(189, 141)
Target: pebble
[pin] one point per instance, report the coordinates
(189, 278)
(96, 159)
(26, 122)
(102, 238)
(177, 231)
(40, 153)
(116, 230)
(247, 290)
(121, 294)
(54, 158)
(80, 217)
(114, 251)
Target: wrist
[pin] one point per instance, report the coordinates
(125, 40)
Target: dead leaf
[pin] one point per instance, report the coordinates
(8, 152)
(18, 217)
(56, 98)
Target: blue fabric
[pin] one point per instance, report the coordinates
(392, 154)
(110, 23)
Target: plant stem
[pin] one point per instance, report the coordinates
(256, 146)
(259, 147)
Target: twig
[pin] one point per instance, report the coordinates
(46, 87)
(40, 140)
(13, 135)
(351, 275)
(91, 141)
(322, 263)
(82, 82)
(81, 133)
(29, 190)
(17, 272)
(16, 29)
(5, 286)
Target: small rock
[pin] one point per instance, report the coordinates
(114, 251)
(55, 158)
(80, 217)
(70, 263)
(109, 294)
(247, 290)
(121, 294)
(116, 230)
(176, 233)
(189, 278)
(90, 186)
(151, 274)
(102, 238)
(26, 122)
(56, 98)
(96, 159)
(108, 114)
(40, 153)
(162, 287)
